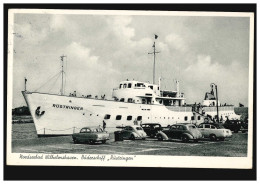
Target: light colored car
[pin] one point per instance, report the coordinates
(133, 132)
(90, 135)
(214, 131)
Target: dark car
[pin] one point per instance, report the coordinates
(90, 135)
(244, 126)
(151, 129)
(233, 125)
(185, 132)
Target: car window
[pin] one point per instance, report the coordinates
(139, 128)
(207, 126)
(192, 127)
(180, 128)
(94, 130)
(200, 126)
(212, 127)
(85, 130)
(174, 127)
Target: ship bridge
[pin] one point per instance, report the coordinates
(146, 93)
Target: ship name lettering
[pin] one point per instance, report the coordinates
(67, 107)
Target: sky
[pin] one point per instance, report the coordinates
(103, 50)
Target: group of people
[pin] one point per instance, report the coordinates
(74, 94)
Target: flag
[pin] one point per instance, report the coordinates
(155, 36)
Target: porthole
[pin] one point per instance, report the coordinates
(118, 117)
(129, 118)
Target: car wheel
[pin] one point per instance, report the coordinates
(132, 137)
(212, 137)
(152, 135)
(236, 131)
(159, 137)
(185, 138)
(91, 142)
(104, 141)
(143, 138)
(75, 141)
(196, 140)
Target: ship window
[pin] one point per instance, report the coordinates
(124, 85)
(129, 85)
(139, 118)
(122, 100)
(139, 84)
(143, 101)
(198, 117)
(130, 100)
(151, 87)
(192, 117)
(107, 116)
(118, 117)
(186, 118)
(129, 118)
(158, 88)
(120, 86)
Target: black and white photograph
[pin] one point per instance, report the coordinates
(130, 88)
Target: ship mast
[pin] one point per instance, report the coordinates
(62, 72)
(154, 52)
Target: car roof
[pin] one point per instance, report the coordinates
(133, 126)
(215, 124)
(151, 124)
(183, 124)
(91, 127)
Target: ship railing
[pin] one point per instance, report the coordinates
(220, 108)
(179, 108)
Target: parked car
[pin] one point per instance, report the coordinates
(233, 125)
(244, 126)
(214, 131)
(133, 132)
(185, 132)
(151, 129)
(90, 135)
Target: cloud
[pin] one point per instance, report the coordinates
(104, 50)
(232, 80)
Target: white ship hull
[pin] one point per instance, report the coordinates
(64, 115)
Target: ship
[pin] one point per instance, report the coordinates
(133, 103)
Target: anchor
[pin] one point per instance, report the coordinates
(38, 111)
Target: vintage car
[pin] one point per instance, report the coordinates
(90, 135)
(185, 132)
(233, 125)
(214, 131)
(133, 132)
(151, 129)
